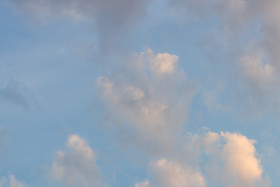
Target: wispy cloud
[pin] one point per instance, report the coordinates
(13, 92)
(111, 17)
(11, 181)
(248, 31)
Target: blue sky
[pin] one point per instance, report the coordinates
(152, 93)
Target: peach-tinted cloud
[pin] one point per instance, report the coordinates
(227, 159)
(234, 160)
(152, 95)
(76, 166)
(171, 174)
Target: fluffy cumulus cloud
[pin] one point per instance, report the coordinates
(150, 95)
(234, 160)
(11, 181)
(240, 163)
(76, 166)
(167, 173)
(227, 159)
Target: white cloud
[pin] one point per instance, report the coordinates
(76, 166)
(163, 63)
(239, 160)
(167, 173)
(11, 181)
(151, 95)
(225, 159)
(234, 161)
(143, 184)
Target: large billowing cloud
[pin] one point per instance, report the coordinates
(227, 159)
(149, 97)
(76, 166)
(11, 181)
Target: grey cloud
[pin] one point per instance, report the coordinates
(12, 91)
(257, 91)
(112, 17)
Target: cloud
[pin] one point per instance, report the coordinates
(244, 28)
(233, 160)
(226, 159)
(112, 17)
(76, 166)
(107, 11)
(262, 76)
(14, 92)
(150, 95)
(11, 181)
(143, 184)
(171, 174)
(260, 83)
(231, 13)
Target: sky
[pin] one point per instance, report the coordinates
(139, 93)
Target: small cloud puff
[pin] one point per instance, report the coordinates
(76, 166)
